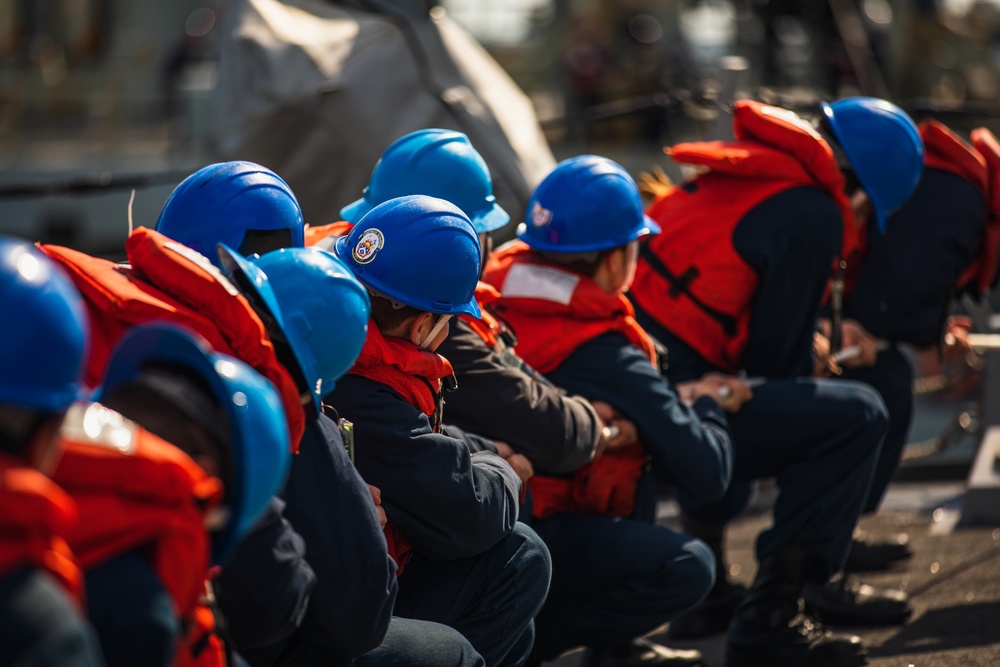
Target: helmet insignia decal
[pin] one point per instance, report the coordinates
(540, 216)
(367, 246)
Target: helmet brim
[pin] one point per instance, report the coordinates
(491, 221)
(233, 263)
(355, 210)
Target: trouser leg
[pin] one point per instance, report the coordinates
(410, 643)
(892, 377)
(616, 579)
(820, 440)
(490, 598)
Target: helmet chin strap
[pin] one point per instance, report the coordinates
(435, 330)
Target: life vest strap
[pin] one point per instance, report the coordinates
(681, 285)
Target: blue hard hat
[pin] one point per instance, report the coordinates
(587, 203)
(321, 309)
(418, 250)
(884, 149)
(45, 338)
(438, 163)
(258, 432)
(222, 202)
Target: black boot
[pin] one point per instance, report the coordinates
(869, 554)
(770, 628)
(841, 602)
(713, 615)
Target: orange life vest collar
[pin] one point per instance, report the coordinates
(332, 231)
(135, 491)
(36, 515)
(488, 327)
(775, 144)
(945, 150)
(413, 373)
(555, 310)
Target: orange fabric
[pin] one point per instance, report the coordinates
(989, 259)
(943, 149)
(549, 331)
(400, 364)
(487, 327)
(168, 281)
(316, 234)
(36, 515)
(136, 492)
(398, 546)
(775, 151)
(201, 645)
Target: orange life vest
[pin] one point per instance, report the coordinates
(334, 230)
(984, 271)
(410, 372)
(169, 281)
(488, 327)
(136, 492)
(555, 311)
(36, 516)
(690, 279)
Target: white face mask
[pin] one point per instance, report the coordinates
(435, 330)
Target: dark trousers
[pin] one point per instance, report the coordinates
(132, 612)
(820, 440)
(491, 598)
(892, 377)
(410, 643)
(614, 580)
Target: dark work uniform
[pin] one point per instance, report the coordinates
(41, 628)
(613, 579)
(555, 431)
(819, 438)
(264, 590)
(331, 508)
(132, 612)
(903, 292)
(473, 567)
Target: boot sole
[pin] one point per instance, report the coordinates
(739, 657)
(834, 619)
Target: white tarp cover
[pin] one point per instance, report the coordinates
(316, 91)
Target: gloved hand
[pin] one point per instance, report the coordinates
(655, 184)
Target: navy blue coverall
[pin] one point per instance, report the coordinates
(473, 566)
(354, 586)
(613, 579)
(820, 439)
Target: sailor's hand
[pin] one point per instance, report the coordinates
(956, 339)
(520, 463)
(729, 391)
(616, 430)
(655, 183)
